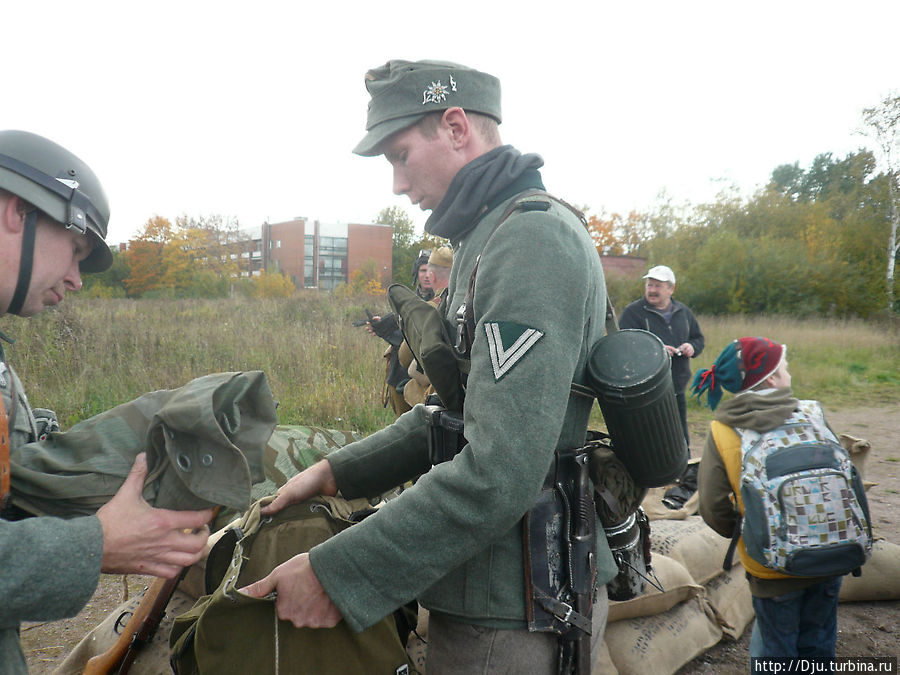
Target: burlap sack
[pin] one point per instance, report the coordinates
(692, 543)
(729, 596)
(656, 510)
(677, 584)
(665, 642)
(601, 661)
(858, 449)
(880, 578)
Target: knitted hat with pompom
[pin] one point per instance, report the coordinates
(742, 364)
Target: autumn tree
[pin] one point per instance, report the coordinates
(145, 257)
(365, 279)
(618, 235)
(272, 284)
(882, 123)
(602, 231)
(109, 283)
(403, 245)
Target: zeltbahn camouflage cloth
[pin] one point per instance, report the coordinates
(290, 449)
(204, 444)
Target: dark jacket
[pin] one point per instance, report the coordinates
(682, 328)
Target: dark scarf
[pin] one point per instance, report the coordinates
(480, 186)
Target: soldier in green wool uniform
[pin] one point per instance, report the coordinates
(53, 218)
(454, 541)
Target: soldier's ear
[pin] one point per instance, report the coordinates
(12, 214)
(457, 123)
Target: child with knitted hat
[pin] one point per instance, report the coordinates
(795, 616)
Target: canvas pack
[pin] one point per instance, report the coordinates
(805, 508)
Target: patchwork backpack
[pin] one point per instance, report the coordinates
(805, 508)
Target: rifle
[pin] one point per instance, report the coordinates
(140, 627)
(138, 632)
(363, 322)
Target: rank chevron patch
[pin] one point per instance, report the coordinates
(508, 342)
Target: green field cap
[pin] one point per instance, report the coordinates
(403, 91)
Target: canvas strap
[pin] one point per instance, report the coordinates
(4, 454)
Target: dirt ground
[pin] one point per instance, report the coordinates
(864, 628)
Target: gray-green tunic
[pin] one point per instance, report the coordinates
(49, 567)
(453, 541)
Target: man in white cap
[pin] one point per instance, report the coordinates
(673, 323)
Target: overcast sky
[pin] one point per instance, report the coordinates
(251, 109)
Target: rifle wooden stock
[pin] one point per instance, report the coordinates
(141, 625)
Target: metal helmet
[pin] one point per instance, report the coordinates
(60, 185)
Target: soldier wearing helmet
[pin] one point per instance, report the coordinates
(53, 220)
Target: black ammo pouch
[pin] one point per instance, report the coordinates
(445, 433)
(559, 537)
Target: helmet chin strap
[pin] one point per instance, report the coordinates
(26, 262)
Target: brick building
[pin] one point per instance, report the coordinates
(623, 266)
(323, 255)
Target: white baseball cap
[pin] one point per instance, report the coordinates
(661, 273)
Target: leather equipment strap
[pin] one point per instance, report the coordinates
(4, 454)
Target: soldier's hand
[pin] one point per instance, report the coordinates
(300, 597)
(139, 539)
(316, 480)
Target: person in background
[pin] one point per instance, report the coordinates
(386, 327)
(795, 616)
(419, 387)
(53, 220)
(673, 323)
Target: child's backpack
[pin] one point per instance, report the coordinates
(805, 508)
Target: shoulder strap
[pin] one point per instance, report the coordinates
(728, 442)
(531, 200)
(4, 454)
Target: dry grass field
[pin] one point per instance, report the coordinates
(90, 355)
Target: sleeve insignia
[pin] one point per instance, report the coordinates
(508, 343)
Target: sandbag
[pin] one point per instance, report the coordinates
(729, 595)
(664, 642)
(601, 661)
(880, 578)
(655, 509)
(692, 543)
(677, 583)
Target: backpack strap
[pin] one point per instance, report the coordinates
(728, 443)
(4, 454)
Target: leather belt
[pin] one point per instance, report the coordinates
(4, 454)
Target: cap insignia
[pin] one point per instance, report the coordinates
(437, 92)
